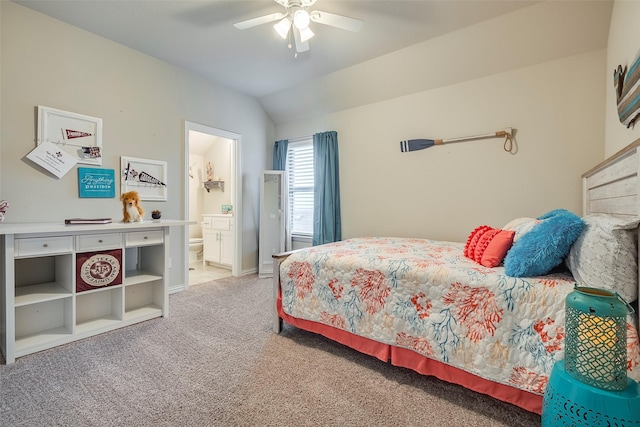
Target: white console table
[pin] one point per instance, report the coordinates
(44, 300)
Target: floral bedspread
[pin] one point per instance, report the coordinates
(424, 295)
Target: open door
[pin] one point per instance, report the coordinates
(272, 220)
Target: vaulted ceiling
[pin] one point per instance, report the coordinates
(199, 36)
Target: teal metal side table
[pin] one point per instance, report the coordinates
(569, 402)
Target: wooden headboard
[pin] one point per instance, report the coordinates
(612, 187)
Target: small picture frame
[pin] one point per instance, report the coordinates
(147, 177)
(77, 134)
(96, 183)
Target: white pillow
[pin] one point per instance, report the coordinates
(521, 226)
(606, 255)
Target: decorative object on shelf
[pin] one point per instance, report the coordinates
(147, 177)
(226, 209)
(4, 207)
(209, 171)
(208, 185)
(591, 387)
(131, 209)
(96, 183)
(70, 221)
(78, 135)
(156, 214)
(421, 144)
(627, 86)
(98, 269)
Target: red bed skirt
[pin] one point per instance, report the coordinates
(410, 359)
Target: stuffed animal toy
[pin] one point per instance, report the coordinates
(131, 207)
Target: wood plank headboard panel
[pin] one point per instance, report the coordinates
(613, 186)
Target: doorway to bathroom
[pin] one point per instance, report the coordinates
(212, 203)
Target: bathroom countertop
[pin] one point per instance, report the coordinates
(221, 215)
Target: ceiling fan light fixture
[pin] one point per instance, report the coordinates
(306, 34)
(301, 19)
(293, 23)
(282, 27)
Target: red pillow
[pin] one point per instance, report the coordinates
(488, 246)
(472, 241)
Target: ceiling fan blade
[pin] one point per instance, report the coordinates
(259, 20)
(300, 45)
(339, 21)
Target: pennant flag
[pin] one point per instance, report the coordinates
(145, 177)
(71, 134)
(129, 174)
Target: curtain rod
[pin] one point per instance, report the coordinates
(300, 138)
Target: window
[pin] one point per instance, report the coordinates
(300, 188)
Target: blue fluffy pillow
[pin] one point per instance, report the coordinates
(544, 247)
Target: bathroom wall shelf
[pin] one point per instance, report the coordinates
(208, 185)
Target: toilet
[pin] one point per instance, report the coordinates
(195, 249)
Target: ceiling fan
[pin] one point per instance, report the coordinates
(296, 20)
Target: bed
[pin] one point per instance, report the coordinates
(488, 313)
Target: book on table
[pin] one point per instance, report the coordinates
(87, 221)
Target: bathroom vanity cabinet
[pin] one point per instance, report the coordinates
(217, 237)
(62, 283)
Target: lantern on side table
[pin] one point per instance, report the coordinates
(591, 386)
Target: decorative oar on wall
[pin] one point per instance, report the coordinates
(627, 85)
(421, 144)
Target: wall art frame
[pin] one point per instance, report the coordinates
(96, 183)
(147, 177)
(77, 134)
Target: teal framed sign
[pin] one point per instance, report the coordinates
(96, 183)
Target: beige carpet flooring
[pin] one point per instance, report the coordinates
(215, 362)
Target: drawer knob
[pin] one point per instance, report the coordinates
(145, 237)
(100, 241)
(45, 245)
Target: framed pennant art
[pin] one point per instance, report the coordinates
(77, 134)
(147, 177)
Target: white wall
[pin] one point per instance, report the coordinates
(143, 103)
(445, 191)
(195, 190)
(623, 48)
(220, 157)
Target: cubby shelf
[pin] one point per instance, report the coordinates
(42, 340)
(47, 302)
(102, 323)
(135, 277)
(39, 293)
(143, 313)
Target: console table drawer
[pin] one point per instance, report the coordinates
(90, 242)
(43, 246)
(143, 238)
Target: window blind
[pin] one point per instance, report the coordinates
(300, 187)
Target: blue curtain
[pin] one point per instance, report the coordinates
(280, 154)
(327, 226)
